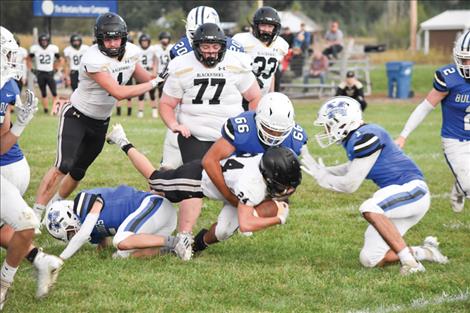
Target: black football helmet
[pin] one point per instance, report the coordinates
(111, 25)
(280, 168)
(209, 33)
(44, 40)
(73, 39)
(266, 15)
(164, 35)
(144, 37)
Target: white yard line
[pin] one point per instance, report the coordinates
(420, 303)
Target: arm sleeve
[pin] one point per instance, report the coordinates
(81, 237)
(418, 115)
(357, 171)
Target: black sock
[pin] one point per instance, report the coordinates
(32, 255)
(46, 110)
(199, 243)
(118, 111)
(129, 111)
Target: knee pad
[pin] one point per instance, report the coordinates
(370, 206)
(224, 232)
(77, 173)
(366, 259)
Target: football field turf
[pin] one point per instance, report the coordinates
(308, 265)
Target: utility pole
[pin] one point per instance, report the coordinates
(413, 24)
(260, 3)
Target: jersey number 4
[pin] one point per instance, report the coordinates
(204, 82)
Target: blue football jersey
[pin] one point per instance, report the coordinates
(456, 105)
(8, 97)
(119, 203)
(184, 46)
(393, 167)
(242, 133)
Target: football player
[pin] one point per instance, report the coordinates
(45, 54)
(148, 61)
(22, 56)
(162, 52)
(403, 198)
(265, 46)
(141, 223)
(272, 175)
(452, 90)
(250, 133)
(104, 70)
(17, 222)
(73, 54)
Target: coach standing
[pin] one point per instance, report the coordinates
(104, 71)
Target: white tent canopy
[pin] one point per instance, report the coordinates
(451, 19)
(294, 19)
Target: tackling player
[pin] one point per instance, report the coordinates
(264, 46)
(73, 54)
(272, 175)
(104, 70)
(17, 222)
(44, 55)
(452, 90)
(141, 223)
(403, 198)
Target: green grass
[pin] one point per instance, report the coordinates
(308, 265)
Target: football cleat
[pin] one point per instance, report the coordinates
(4, 285)
(154, 113)
(411, 267)
(457, 199)
(431, 245)
(122, 254)
(117, 136)
(48, 267)
(140, 114)
(184, 246)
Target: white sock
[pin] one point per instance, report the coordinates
(8, 272)
(405, 256)
(420, 253)
(38, 209)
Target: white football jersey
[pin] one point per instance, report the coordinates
(146, 58)
(22, 55)
(44, 58)
(266, 59)
(90, 98)
(163, 56)
(209, 96)
(242, 176)
(74, 56)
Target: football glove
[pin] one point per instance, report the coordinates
(117, 136)
(282, 211)
(24, 112)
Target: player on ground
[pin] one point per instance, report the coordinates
(45, 54)
(18, 222)
(104, 70)
(148, 61)
(272, 175)
(250, 133)
(452, 90)
(73, 55)
(403, 198)
(264, 46)
(141, 223)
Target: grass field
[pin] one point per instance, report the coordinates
(308, 265)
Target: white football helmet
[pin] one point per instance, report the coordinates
(60, 220)
(198, 16)
(10, 67)
(338, 116)
(462, 53)
(274, 118)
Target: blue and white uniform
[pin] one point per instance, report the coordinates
(127, 211)
(184, 46)
(455, 131)
(242, 133)
(403, 195)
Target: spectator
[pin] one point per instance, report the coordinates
(318, 68)
(334, 40)
(297, 62)
(303, 39)
(288, 36)
(353, 88)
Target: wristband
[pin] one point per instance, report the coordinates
(16, 129)
(127, 147)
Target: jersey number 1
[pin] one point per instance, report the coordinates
(204, 82)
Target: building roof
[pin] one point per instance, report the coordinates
(451, 19)
(294, 19)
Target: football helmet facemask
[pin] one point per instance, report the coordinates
(266, 15)
(338, 116)
(274, 118)
(111, 25)
(462, 53)
(61, 222)
(76, 41)
(209, 33)
(280, 168)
